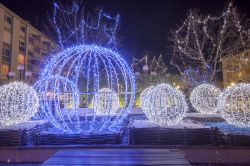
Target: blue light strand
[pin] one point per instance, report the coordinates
(84, 26)
(84, 70)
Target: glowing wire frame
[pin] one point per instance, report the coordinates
(164, 105)
(90, 68)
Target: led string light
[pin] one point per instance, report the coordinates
(144, 95)
(234, 105)
(59, 102)
(156, 65)
(89, 68)
(193, 77)
(197, 43)
(79, 31)
(164, 105)
(105, 102)
(18, 103)
(204, 98)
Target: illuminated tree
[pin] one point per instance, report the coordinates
(203, 41)
(71, 24)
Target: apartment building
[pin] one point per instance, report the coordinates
(236, 69)
(23, 48)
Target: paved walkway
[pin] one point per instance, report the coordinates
(75, 157)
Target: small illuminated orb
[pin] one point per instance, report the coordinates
(18, 103)
(234, 105)
(105, 102)
(204, 98)
(165, 105)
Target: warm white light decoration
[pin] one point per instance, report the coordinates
(234, 105)
(144, 95)
(203, 40)
(164, 105)
(80, 72)
(18, 103)
(204, 98)
(105, 102)
(154, 65)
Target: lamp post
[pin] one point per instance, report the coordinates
(28, 74)
(145, 69)
(11, 74)
(20, 68)
(137, 73)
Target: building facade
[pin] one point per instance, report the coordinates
(21, 45)
(236, 69)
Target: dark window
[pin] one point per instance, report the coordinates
(8, 19)
(30, 54)
(31, 40)
(22, 28)
(37, 49)
(21, 46)
(6, 52)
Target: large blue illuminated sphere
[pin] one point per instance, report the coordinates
(86, 69)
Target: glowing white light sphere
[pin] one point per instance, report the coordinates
(87, 68)
(105, 102)
(204, 98)
(165, 105)
(234, 105)
(18, 103)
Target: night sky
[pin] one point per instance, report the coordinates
(145, 24)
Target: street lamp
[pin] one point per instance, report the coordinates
(20, 68)
(28, 74)
(137, 73)
(145, 68)
(11, 74)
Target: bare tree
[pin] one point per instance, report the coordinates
(70, 24)
(202, 42)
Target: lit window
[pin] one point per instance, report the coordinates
(20, 58)
(5, 69)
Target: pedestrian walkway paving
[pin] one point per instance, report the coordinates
(75, 157)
